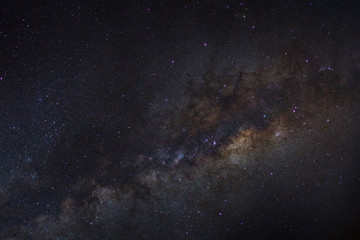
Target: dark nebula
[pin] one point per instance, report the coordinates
(180, 119)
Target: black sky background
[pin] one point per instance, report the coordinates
(127, 120)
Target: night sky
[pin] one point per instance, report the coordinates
(180, 119)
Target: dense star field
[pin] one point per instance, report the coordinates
(180, 119)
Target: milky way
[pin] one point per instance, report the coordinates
(180, 120)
